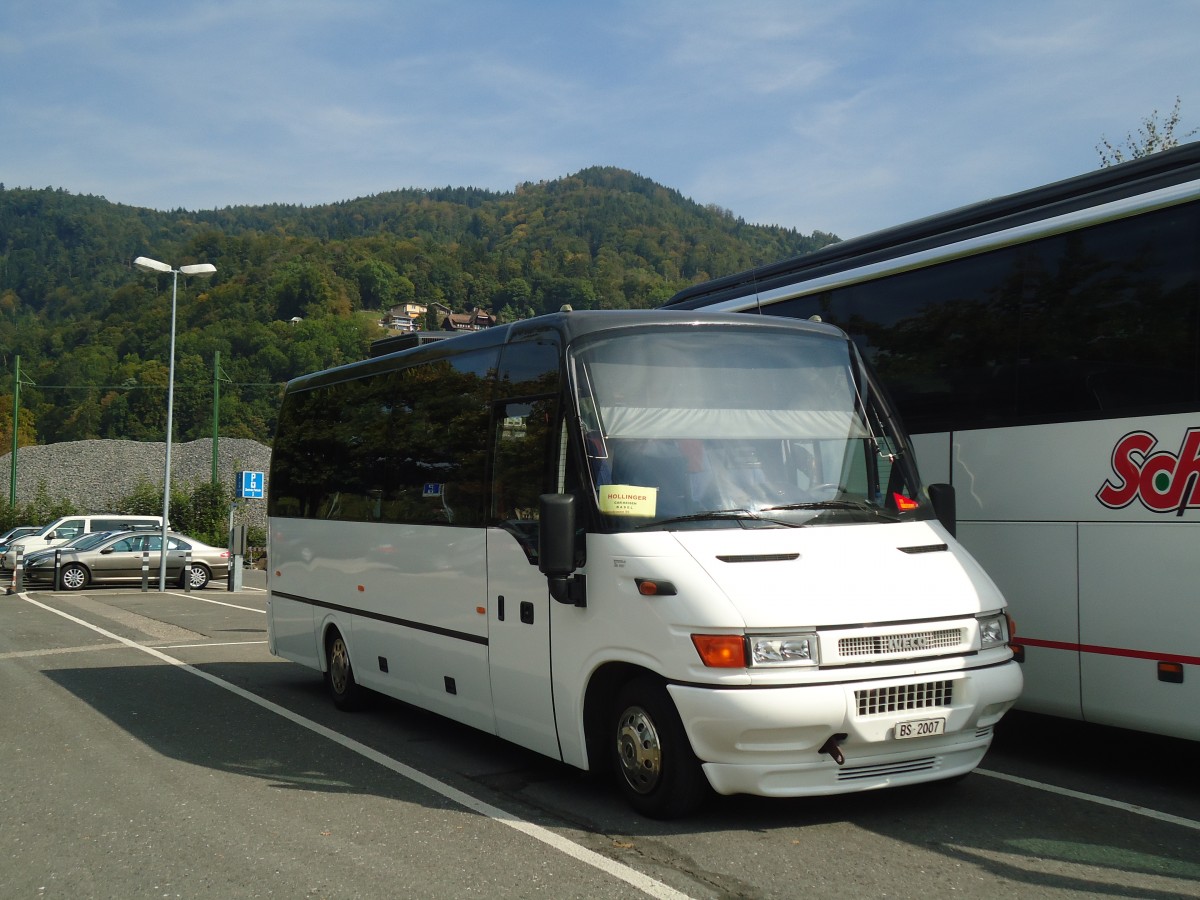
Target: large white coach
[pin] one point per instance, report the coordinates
(691, 547)
(1043, 349)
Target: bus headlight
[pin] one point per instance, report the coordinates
(785, 650)
(993, 631)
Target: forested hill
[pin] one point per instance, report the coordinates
(92, 331)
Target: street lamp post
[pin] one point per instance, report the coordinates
(202, 270)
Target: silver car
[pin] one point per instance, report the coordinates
(118, 558)
(82, 542)
(12, 536)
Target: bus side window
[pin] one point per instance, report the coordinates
(524, 441)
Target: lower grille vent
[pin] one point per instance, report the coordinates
(853, 773)
(904, 697)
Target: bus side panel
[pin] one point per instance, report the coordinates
(933, 456)
(422, 588)
(1138, 594)
(292, 631)
(445, 675)
(1034, 565)
(1038, 473)
(415, 596)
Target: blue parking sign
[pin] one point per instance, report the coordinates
(251, 485)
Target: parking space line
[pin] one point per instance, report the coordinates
(193, 646)
(638, 880)
(1093, 798)
(217, 602)
(54, 651)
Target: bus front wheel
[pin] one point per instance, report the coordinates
(347, 693)
(656, 769)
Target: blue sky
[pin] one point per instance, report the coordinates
(842, 115)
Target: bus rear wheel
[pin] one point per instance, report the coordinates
(656, 769)
(347, 693)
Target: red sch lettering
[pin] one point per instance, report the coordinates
(1128, 471)
(1163, 481)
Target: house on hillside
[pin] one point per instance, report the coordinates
(405, 317)
(476, 320)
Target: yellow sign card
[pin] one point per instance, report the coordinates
(628, 500)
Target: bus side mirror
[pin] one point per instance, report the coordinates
(556, 548)
(945, 506)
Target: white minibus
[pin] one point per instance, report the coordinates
(690, 548)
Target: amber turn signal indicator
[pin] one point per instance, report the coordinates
(648, 587)
(721, 651)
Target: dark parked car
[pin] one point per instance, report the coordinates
(118, 558)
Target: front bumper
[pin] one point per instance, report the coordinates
(767, 741)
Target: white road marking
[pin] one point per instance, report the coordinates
(193, 646)
(216, 602)
(630, 876)
(54, 651)
(1093, 798)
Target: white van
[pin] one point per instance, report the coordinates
(68, 527)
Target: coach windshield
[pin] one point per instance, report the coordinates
(720, 427)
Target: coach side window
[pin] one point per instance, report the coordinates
(525, 439)
(435, 463)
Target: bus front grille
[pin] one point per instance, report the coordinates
(908, 644)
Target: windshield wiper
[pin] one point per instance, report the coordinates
(713, 515)
(855, 505)
(823, 504)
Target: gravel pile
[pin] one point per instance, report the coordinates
(96, 475)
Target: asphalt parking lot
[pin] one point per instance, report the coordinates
(154, 747)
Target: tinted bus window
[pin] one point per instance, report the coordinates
(1084, 325)
(400, 446)
(526, 439)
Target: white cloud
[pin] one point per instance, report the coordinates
(841, 117)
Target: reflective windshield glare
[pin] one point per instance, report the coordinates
(759, 427)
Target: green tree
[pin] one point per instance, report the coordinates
(1151, 137)
(378, 284)
(201, 511)
(146, 500)
(93, 333)
(26, 430)
(302, 288)
(41, 510)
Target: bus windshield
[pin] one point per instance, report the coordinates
(728, 428)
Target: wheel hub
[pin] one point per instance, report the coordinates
(639, 750)
(339, 665)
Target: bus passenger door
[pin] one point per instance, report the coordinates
(519, 638)
(519, 646)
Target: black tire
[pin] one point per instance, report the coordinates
(200, 577)
(346, 692)
(655, 767)
(73, 577)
